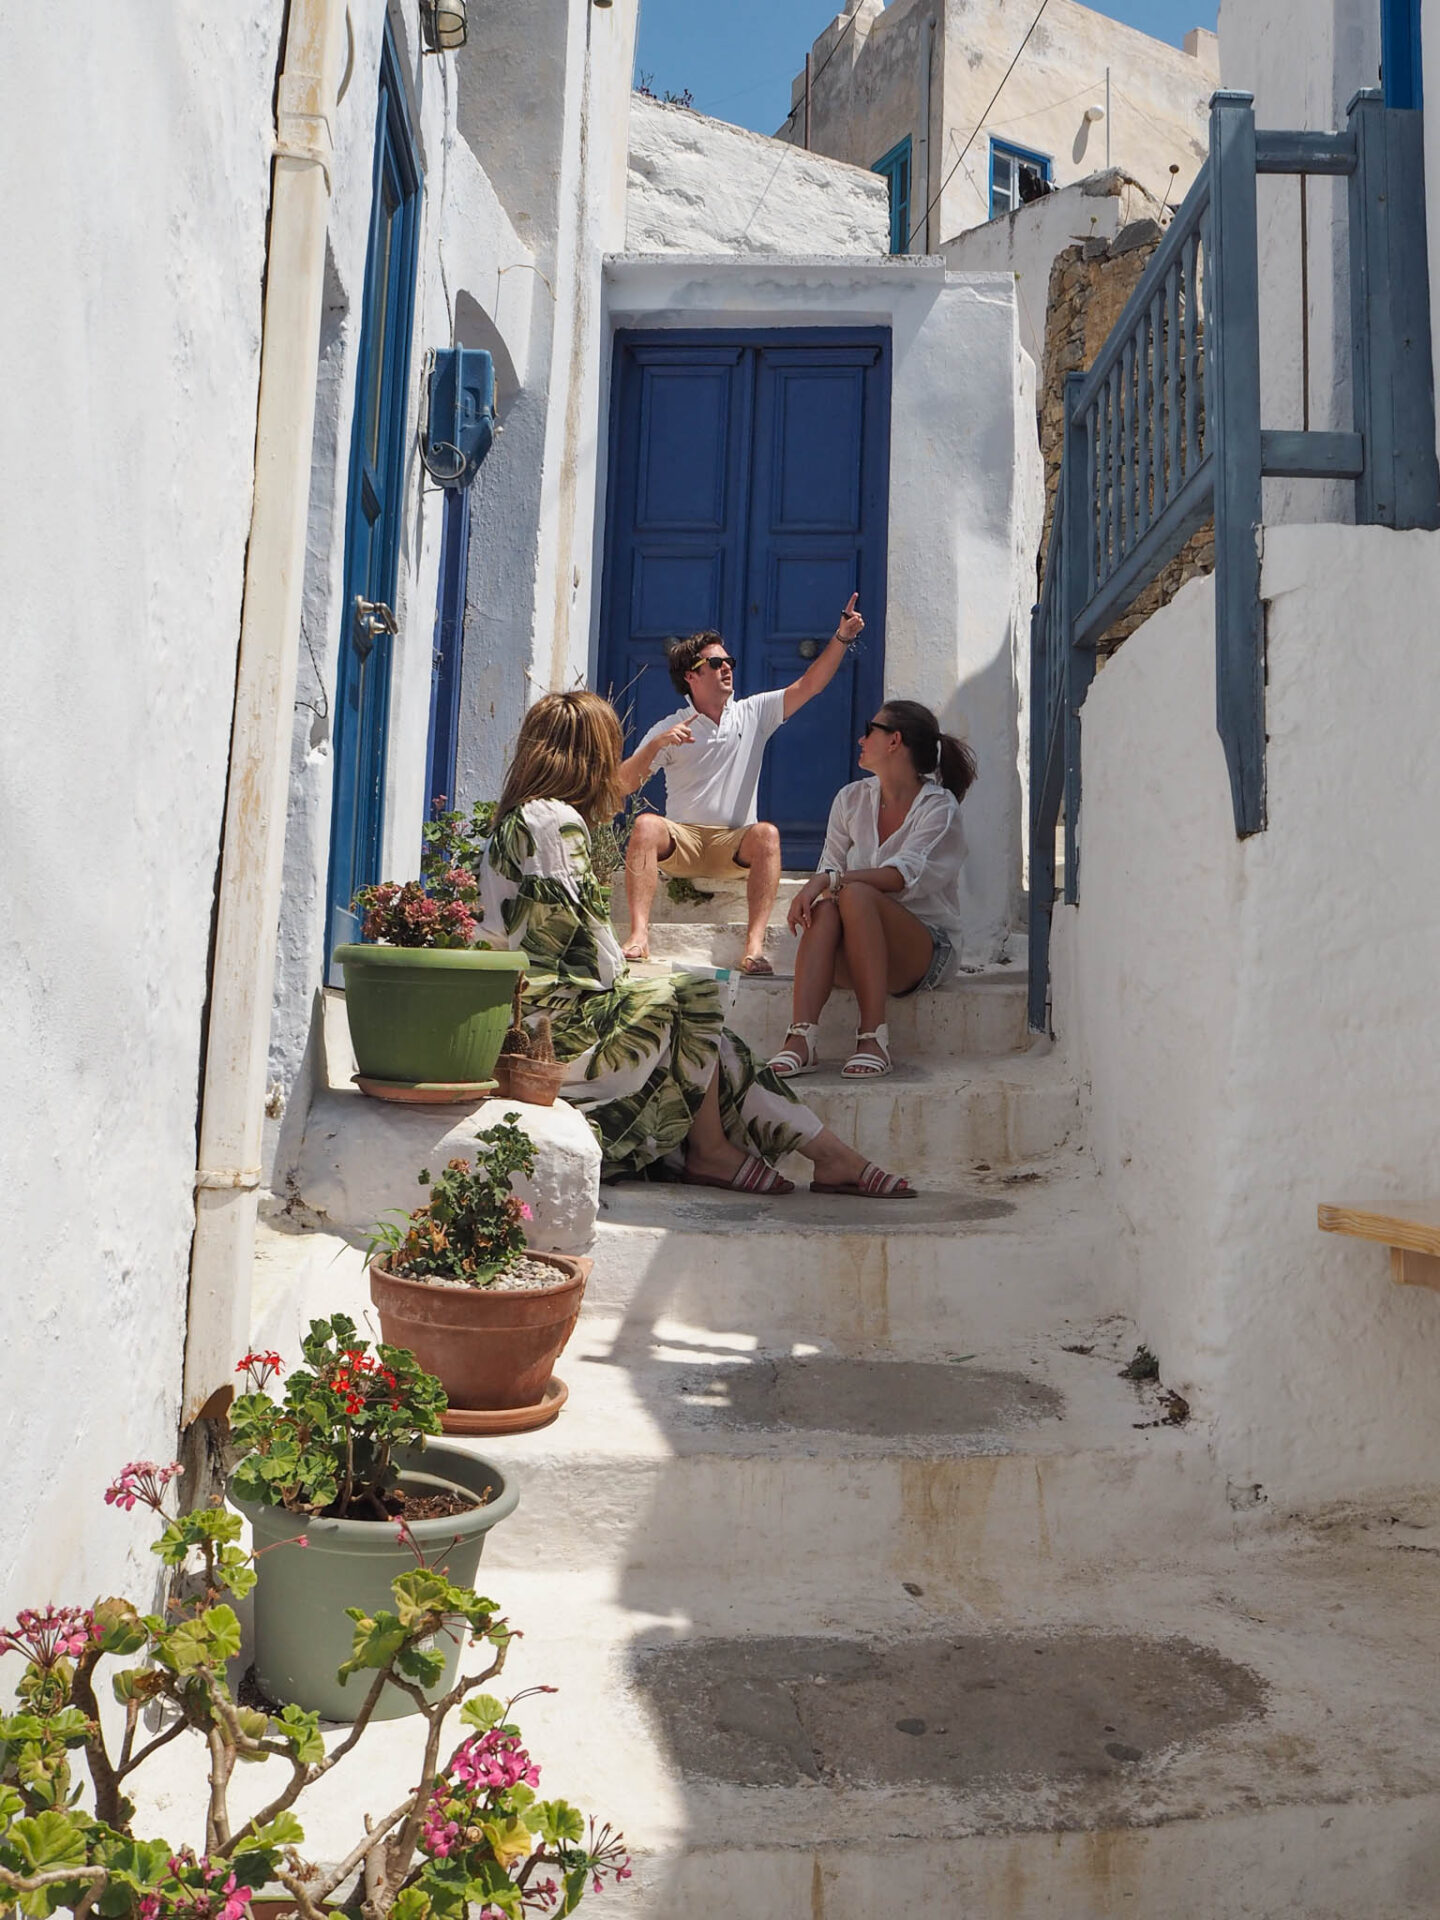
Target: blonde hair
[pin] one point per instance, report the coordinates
(569, 748)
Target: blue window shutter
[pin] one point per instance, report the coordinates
(894, 167)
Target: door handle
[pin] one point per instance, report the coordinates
(808, 649)
(372, 617)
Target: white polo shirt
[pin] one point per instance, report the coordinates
(713, 781)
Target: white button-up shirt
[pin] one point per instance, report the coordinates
(927, 849)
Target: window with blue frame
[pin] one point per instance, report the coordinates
(894, 168)
(1017, 176)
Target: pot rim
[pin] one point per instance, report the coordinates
(475, 959)
(440, 1531)
(582, 1263)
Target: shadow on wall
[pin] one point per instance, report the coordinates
(475, 328)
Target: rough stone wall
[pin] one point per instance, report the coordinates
(698, 185)
(1089, 286)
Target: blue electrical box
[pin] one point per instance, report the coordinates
(459, 425)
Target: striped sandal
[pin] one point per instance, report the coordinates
(873, 1184)
(755, 1176)
(865, 1066)
(790, 1062)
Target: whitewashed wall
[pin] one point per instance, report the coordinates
(1025, 243)
(129, 334)
(962, 427)
(698, 185)
(1257, 1020)
(873, 93)
(1303, 60)
(465, 294)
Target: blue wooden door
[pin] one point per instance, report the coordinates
(373, 509)
(749, 481)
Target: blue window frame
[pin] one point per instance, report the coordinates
(894, 168)
(1400, 53)
(1016, 176)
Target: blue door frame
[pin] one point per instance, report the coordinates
(373, 506)
(1400, 62)
(749, 492)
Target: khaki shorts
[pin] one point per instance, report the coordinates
(703, 853)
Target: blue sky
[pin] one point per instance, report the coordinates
(737, 56)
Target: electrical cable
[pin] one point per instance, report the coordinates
(986, 114)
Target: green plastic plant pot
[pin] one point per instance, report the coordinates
(435, 1015)
(302, 1631)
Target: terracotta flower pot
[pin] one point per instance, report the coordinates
(536, 1082)
(490, 1347)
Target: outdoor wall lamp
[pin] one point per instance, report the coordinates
(1094, 113)
(603, 3)
(442, 22)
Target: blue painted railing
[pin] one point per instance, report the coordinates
(1164, 433)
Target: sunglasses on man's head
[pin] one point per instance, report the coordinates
(715, 660)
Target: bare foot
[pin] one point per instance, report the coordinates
(637, 947)
(721, 1164)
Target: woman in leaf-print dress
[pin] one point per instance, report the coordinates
(650, 1062)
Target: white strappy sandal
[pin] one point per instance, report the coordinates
(790, 1063)
(865, 1066)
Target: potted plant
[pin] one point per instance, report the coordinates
(527, 1068)
(341, 1460)
(455, 1282)
(426, 1008)
(469, 1835)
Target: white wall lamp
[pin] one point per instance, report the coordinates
(602, 3)
(1092, 114)
(442, 22)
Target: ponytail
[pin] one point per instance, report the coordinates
(932, 752)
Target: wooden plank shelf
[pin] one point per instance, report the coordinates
(1413, 1239)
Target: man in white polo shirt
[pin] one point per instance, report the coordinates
(711, 750)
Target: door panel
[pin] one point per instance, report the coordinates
(373, 509)
(749, 493)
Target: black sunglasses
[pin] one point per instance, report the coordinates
(879, 726)
(715, 660)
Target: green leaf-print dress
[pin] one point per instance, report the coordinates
(640, 1053)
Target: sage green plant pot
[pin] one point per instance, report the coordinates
(302, 1631)
(429, 1015)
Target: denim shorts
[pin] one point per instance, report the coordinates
(942, 952)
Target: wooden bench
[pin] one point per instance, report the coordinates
(1414, 1242)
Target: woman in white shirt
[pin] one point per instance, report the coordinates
(882, 913)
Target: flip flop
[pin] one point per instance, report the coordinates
(635, 959)
(874, 1184)
(756, 963)
(755, 1176)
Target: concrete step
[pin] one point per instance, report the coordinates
(976, 1266)
(936, 1120)
(972, 1015)
(722, 900)
(1253, 1736)
(720, 944)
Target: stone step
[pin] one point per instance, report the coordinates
(939, 1120)
(720, 944)
(1253, 1735)
(721, 900)
(973, 1014)
(976, 1266)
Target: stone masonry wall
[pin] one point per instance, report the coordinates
(1089, 286)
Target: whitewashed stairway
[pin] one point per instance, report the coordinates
(870, 1588)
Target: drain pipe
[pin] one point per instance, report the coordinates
(927, 43)
(242, 974)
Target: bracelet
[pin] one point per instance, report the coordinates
(832, 877)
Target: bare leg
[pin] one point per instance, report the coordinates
(886, 950)
(760, 852)
(707, 1148)
(835, 1164)
(648, 845)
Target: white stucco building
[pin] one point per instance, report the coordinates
(233, 683)
(920, 91)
